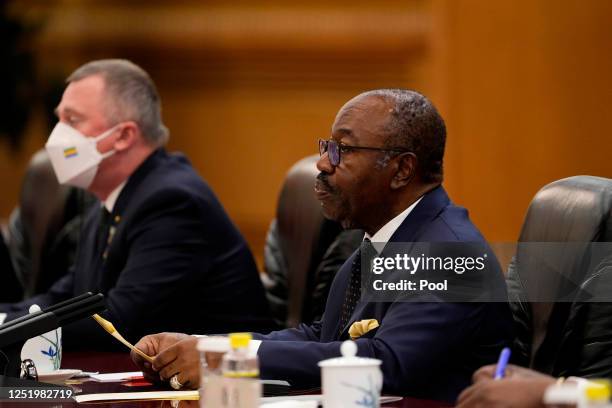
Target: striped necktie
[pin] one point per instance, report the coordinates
(353, 291)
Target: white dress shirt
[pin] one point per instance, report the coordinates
(384, 234)
(110, 201)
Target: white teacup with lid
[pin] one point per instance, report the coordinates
(44, 350)
(350, 381)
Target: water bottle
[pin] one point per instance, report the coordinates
(211, 351)
(580, 394)
(595, 394)
(240, 369)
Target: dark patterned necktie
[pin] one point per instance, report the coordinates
(106, 220)
(353, 291)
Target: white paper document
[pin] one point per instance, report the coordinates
(178, 395)
(194, 395)
(318, 398)
(115, 377)
(148, 395)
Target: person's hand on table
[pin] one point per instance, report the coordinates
(181, 359)
(152, 345)
(520, 388)
(486, 373)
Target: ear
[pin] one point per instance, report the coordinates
(128, 135)
(405, 170)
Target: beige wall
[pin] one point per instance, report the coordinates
(249, 87)
(526, 89)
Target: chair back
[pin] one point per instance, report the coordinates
(570, 214)
(303, 249)
(43, 229)
(300, 224)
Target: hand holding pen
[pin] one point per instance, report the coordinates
(502, 363)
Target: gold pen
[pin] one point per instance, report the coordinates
(108, 326)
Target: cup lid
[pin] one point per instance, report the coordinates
(349, 358)
(239, 340)
(215, 344)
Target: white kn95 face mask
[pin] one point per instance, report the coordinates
(74, 156)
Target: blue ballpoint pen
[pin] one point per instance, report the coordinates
(500, 370)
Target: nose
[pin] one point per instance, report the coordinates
(324, 165)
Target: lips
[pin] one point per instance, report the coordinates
(321, 191)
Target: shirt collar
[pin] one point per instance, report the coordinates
(383, 235)
(110, 201)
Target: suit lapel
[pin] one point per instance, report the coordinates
(136, 179)
(428, 208)
(335, 299)
(105, 278)
(409, 231)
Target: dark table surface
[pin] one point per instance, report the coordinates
(120, 362)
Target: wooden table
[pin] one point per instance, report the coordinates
(119, 362)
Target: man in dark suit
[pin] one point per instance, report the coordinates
(160, 247)
(381, 171)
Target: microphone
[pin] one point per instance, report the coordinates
(13, 334)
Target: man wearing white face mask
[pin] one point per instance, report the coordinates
(159, 246)
(75, 157)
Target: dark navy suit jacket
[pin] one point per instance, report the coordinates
(428, 350)
(175, 263)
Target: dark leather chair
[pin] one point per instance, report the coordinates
(10, 289)
(43, 230)
(556, 269)
(303, 250)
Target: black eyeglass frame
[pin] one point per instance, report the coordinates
(334, 153)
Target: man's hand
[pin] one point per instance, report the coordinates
(152, 345)
(506, 393)
(181, 359)
(520, 388)
(486, 373)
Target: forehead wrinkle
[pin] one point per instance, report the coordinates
(351, 108)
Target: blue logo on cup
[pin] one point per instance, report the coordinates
(53, 351)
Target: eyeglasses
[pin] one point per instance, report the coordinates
(334, 150)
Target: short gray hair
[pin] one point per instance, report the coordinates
(131, 95)
(416, 125)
